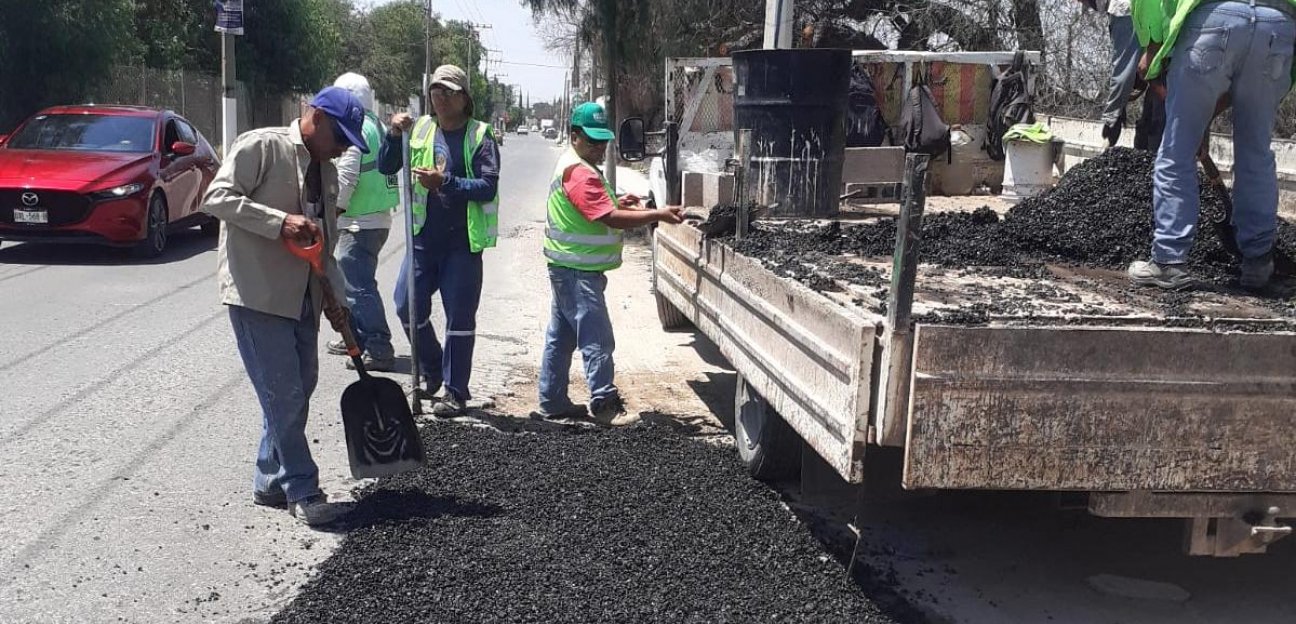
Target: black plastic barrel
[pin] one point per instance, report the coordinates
(795, 104)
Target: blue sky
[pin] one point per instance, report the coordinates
(514, 34)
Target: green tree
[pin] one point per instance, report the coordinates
(52, 52)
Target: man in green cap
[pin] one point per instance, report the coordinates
(582, 242)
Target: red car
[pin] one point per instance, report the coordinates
(124, 176)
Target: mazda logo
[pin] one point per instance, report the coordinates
(30, 199)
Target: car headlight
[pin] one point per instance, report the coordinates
(119, 192)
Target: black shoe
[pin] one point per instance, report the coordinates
(275, 499)
(607, 407)
(426, 394)
(575, 411)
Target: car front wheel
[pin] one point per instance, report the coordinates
(155, 236)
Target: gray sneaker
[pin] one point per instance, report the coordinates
(336, 347)
(1256, 272)
(1167, 276)
(275, 498)
(373, 364)
(449, 406)
(317, 511)
(570, 412)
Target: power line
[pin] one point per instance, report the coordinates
(533, 64)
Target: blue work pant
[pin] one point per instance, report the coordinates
(1125, 57)
(281, 358)
(357, 258)
(578, 319)
(457, 275)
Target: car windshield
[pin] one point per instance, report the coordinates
(91, 133)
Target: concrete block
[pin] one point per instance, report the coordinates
(707, 189)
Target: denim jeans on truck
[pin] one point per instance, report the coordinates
(1246, 52)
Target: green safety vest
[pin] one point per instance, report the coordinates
(374, 192)
(483, 219)
(571, 240)
(1159, 21)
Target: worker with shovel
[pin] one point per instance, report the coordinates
(278, 185)
(1239, 50)
(582, 242)
(456, 165)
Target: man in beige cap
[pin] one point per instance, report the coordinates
(455, 160)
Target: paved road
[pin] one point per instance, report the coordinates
(127, 426)
(127, 430)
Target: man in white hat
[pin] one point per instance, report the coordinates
(366, 199)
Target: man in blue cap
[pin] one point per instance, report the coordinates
(279, 184)
(582, 242)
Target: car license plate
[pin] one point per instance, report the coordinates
(31, 216)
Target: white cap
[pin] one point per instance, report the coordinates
(358, 86)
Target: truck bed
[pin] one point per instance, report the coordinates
(1091, 386)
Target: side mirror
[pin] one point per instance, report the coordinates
(631, 140)
(180, 148)
(3, 138)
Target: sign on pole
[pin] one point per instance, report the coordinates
(229, 17)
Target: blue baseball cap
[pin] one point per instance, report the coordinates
(347, 113)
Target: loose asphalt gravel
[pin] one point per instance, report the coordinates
(636, 524)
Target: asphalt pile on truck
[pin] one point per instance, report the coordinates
(635, 524)
(1099, 215)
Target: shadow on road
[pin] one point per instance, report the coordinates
(409, 505)
(181, 245)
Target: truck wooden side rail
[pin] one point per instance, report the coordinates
(1153, 421)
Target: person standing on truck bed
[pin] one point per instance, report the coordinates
(582, 242)
(456, 163)
(1239, 49)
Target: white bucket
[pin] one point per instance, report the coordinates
(1028, 168)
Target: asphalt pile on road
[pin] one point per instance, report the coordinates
(1099, 215)
(635, 524)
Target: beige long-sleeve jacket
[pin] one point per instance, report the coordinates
(260, 183)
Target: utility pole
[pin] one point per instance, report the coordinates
(427, 56)
(610, 43)
(778, 24)
(229, 23)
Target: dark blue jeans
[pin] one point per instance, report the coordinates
(282, 361)
(578, 319)
(457, 275)
(357, 258)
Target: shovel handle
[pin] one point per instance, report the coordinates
(313, 254)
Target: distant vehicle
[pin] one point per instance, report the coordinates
(522, 130)
(551, 133)
(535, 128)
(124, 176)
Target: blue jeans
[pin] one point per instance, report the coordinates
(1125, 57)
(1246, 52)
(458, 277)
(357, 258)
(282, 361)
(578, 318)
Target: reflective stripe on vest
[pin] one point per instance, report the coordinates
(571, 240)
(483, 219)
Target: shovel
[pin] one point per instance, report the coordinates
(380, 432)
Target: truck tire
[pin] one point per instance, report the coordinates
(769, 447)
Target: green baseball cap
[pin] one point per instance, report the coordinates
(591, 118)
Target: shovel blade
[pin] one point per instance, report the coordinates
(382, 438)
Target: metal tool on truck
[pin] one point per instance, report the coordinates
(1142, 418)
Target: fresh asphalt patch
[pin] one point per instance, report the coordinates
(579, 524)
